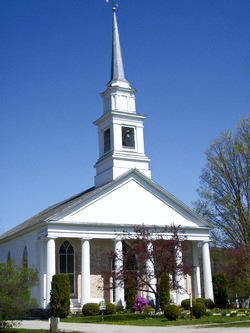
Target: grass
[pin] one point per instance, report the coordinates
(144, 320)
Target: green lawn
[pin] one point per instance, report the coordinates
(144, 320)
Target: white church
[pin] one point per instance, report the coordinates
(73, 236)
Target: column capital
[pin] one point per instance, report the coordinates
(86, 239)
(118, 239)
(205, 242)
(50, 237)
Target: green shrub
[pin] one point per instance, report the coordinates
(148, 309)
(186, 303)
(203, 301)
(164, 292)
(171, 312)
(209, 313)
(110, 308)
(119, 308)
(60, 296)
(90, 309)
(199, 309)
(220, 290)
(211, 304)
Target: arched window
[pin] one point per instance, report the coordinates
(25, 257)
(67, 263)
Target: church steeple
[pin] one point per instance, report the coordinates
(117, 70)
(120, 129)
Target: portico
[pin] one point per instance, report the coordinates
(91, 242)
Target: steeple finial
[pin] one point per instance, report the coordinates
(117, 70)
(114, 4)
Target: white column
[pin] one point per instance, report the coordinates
(181, 291)
(42, 272)
(119, 290)
(197, 276)
(150, 276)
(85, 271)
(51, 266)
(208, 286)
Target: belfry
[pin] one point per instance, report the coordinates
(120, 129)
(74, 236)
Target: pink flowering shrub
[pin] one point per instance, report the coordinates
(140, 302)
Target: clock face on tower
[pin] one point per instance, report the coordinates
(128, 137)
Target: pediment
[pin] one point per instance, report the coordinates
(135, 200)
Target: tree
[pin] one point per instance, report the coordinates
(224, 187)
(15, 295)
(234, 263)
(220, 290)
(60, 296)
(150, 257)
(236, 266)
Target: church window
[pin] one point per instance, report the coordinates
(128, 137)
(9, 257)
(107, 140)
(67, 263)
(25, 257)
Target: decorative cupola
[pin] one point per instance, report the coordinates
(120, 128)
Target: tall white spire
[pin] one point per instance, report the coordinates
(117, 70)
(120, 128)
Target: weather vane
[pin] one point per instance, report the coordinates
(113, 3)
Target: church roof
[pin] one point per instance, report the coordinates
(58, 208)
(48, 212)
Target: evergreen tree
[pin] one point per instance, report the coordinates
(220, 290)
(60, 296)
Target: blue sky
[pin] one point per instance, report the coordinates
(188, 59)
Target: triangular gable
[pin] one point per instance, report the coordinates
(132, 199)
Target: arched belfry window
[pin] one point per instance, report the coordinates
(67, 263)
(25, 257)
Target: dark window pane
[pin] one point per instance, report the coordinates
(107, 140)
(62, 249)
(128, 137)
(70, 249)
(66, 244)
(63, 263)
(70, 262)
